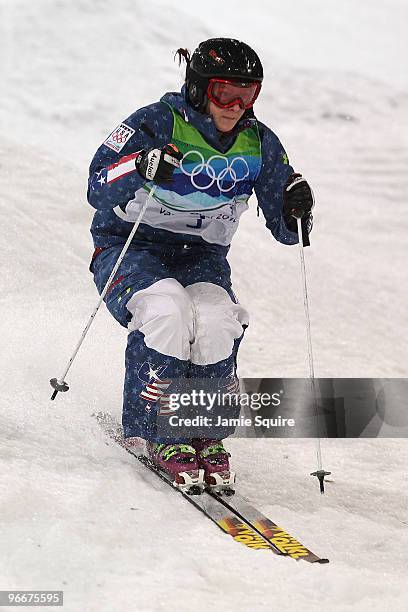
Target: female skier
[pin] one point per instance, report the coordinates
(203, 152)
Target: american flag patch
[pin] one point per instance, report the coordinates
(232, 387)
(155, 390)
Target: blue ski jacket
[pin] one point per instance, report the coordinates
(114, 183)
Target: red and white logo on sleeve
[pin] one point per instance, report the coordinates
(124, 166)
(119, 137)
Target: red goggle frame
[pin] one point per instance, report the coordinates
(226, 93)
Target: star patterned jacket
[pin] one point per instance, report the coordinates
(210, 190)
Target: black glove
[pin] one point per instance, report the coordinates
(158, 165)
(298, 202)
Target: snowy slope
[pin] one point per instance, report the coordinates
(77, 513)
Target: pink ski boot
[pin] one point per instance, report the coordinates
(214, 460)
(179, 461)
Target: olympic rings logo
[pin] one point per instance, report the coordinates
(238, 165)
(119, 137)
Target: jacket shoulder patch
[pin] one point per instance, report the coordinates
(119, 137)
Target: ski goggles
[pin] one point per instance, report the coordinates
(228, 93)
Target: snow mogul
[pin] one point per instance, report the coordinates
(204, 153)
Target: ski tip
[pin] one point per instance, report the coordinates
(323, 561)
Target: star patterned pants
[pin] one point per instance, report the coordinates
(184, 322)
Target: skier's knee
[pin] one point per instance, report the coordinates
(218, 322)
(163, 313)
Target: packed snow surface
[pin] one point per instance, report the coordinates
(77, 512)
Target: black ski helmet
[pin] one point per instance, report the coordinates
(225, 58)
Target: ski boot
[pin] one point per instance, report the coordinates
(179, 461)
(213, 459)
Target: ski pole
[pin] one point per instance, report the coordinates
(320, 472)
(59, 384)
